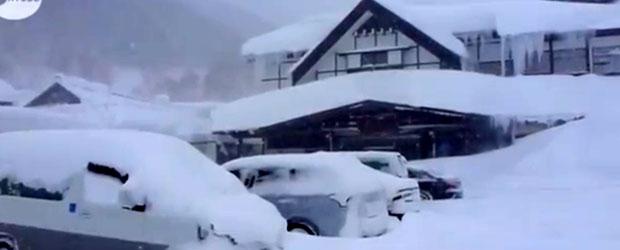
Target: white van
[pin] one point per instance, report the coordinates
(123, 190)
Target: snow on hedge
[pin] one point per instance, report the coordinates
(170, 174)
(318, 173)
(452, 90)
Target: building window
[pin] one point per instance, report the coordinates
(375, 58)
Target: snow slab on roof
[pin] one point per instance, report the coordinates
(451, 90)
(344, 174)
(294, 37)
(507, 17)
(441, 20)
(174, 177)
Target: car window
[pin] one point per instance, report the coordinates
(272, 174)
(13, 188)
(419, 174)
(378, 165)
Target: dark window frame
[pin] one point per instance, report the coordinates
(374, 58)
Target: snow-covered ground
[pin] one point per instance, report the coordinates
(552, 190)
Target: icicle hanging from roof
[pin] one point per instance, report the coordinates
(526, 47)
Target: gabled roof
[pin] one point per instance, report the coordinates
(420, 37)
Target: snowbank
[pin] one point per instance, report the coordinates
(318, 173)
(170, 174)
(452, 90)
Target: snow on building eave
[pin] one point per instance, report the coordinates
(440, 89)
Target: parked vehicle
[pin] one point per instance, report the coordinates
(431, 187)
(318, 194)
(122, 190)
(436, 188)
(403, 192)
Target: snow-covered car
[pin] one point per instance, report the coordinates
(403, 192)
(434, 187)
(124, 190)
(319, 194)
(431, 187)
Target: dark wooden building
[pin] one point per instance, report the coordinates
(416, 132)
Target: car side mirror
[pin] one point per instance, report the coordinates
(128, 202)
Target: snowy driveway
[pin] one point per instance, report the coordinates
(554, 190)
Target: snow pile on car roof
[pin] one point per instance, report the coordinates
(451, 90)
(318, 173)
(170, 174)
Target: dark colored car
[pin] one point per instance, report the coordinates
(436, 188)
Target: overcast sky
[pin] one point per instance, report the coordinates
(281, 12)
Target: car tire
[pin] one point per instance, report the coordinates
(303, 228)
(426, 196)
(6, 246)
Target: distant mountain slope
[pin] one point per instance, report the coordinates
(93, 38)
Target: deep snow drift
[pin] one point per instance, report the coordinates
(552, 190)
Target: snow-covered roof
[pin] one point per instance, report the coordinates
(441, 20)
(176, 178)
(320, 173)
(507, 17)
(295, 37)
(451, 90)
